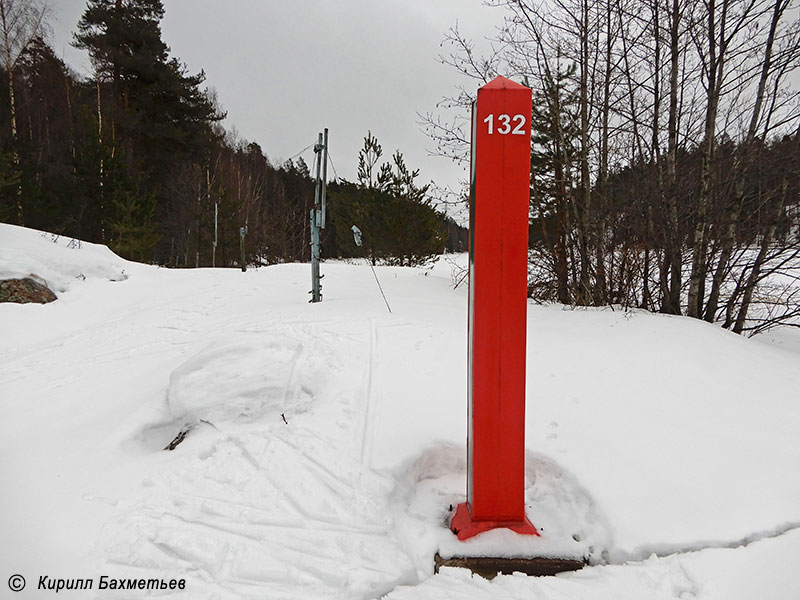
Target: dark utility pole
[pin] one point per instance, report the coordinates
(242, 233)
(318, 212)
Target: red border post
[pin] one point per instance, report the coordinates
(498, 291)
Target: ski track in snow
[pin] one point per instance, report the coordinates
(300, 512)
(367, 434)
(664, 550)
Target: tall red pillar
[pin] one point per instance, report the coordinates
(498, 291)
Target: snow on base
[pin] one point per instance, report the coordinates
(564, 512)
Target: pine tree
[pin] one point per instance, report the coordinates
(398, 224)
(156, 118)
(158, 105)
(9, 181)
(554, 131)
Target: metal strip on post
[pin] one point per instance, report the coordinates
(470, 297)
(324, 178)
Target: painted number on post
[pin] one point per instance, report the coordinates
(505, 122)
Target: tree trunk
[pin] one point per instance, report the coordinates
(715, 70)
(672, 258)
(601, 287)
(12, 108)
(584, 215)
(101, 166)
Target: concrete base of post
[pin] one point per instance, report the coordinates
(491, 566)
(464, 527)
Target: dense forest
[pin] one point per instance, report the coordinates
(665, 151)
(665, 154)
(135, 157)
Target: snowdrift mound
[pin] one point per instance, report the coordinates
(248, 377)
(59, 261)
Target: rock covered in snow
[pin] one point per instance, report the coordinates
(26, 290)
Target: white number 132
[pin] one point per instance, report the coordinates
(505, 124)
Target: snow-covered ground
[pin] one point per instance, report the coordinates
(326, 442)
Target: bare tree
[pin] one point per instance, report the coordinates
(651, 122)
(723, 33)
(741, 163)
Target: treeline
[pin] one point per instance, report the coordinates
(135, 158)
(665, 151)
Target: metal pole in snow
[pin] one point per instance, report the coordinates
(214, 245)
(242, 233)
(317, 219)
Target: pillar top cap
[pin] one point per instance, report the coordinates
(503, 83)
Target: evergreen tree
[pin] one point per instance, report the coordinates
(9, 180)
(157, 103)
(554, 136)
(156, 119)
(398, 223)
(46, 142)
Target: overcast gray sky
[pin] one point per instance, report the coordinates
(284, 70)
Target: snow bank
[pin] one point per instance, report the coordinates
(59, 261)
(742, 573)
(329, 440)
